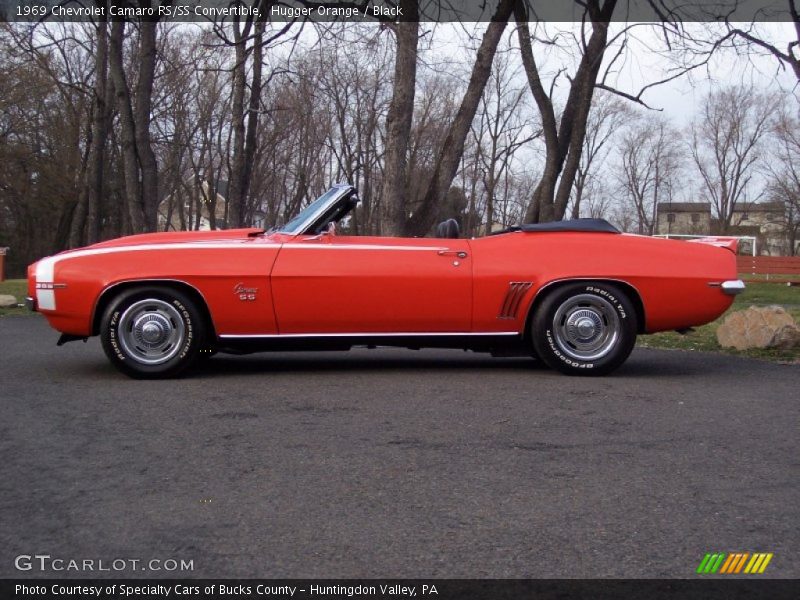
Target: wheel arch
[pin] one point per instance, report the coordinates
(115, 289)
(556, 284)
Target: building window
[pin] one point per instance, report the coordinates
(695, 217)
(670, 217)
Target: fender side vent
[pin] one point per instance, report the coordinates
(516, 291)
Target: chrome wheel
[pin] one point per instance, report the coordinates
(586, 327)
(151, 331)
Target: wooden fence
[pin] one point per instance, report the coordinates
(775, 269)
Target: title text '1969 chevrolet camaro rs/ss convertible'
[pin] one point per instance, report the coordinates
(573, 293)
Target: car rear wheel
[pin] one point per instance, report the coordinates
(585, 328)
(150, 333)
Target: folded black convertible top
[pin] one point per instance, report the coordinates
(582, 225)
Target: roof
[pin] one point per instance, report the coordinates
(761, 207)
(684, 207)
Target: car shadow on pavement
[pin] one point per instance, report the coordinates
(651, 365)
(344, 361)
(646, 363)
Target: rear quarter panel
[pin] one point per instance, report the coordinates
(671, 277)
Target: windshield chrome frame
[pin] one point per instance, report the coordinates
(343, 190)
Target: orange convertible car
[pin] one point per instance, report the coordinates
(573, 293)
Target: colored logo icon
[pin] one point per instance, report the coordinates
(734, 563)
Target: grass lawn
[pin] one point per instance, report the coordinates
(19, 289)
(704, 338)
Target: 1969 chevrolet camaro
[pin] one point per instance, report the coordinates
(573, 293)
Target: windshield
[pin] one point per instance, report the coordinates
(296, 224)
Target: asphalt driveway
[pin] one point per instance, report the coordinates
(396, 463)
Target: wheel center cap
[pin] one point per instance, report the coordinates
(152, 332)
(585, 327)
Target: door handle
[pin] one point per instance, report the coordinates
(458, 253)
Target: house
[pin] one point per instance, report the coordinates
(168, 211)
(767, 218)
(763, 221)
(683, 218)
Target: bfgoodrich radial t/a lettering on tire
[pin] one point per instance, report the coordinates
(585, 328)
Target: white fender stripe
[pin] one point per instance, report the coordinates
(46, 299)
(44, 269)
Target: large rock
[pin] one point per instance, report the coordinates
(7, 301)
(787, 337)
(759, 327)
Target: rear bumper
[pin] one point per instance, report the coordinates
(30, 303)
(732, 287)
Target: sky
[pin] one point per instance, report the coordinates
(679, 100)
(644, 63)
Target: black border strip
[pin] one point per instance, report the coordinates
(438, 11)
(731, 588)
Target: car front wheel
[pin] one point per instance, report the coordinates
(585, 328)
(150, 333)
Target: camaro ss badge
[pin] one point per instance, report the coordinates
(246, 294)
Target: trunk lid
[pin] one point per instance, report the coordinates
(731, 243)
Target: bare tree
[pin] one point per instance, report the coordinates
(62, 54)
(134, 97)
(751, 38)
(356, 87)
(501, 129)
(85, 228)
(452, 150)
(650, 160)
(607, 117)
(726, 146)
(564, 137)
(436, 105)
(600, 55)
(44, 108)
(249, 38)
(399, 120)
(784, 172)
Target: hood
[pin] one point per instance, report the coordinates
(178, 237)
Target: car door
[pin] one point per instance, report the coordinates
(332, 284)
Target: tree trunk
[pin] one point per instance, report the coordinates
(453, 148)
(77, 228)
(251, 142)
(142, 109)
(398, 126)
(130, 159)
(236, 184)
(97, 156)
(563, 142)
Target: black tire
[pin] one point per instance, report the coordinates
(152, 332)
(205, 353)
(584, 328)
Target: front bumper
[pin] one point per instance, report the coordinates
(30, 303)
